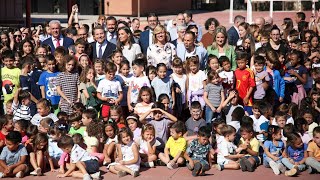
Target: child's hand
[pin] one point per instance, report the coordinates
(130, 108)
(218, 110)
(62, 171)
(213, 109)
(240, 155)
(232, 94)
(121, 162)
(52, 170)
(292, 72)
(171, 162)
(245, 100)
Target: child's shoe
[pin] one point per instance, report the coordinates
(219, 167)
(135, 173)
(87, 177)
(20, 174)
(95, 175)
(242, 163)
(196, 169)
(149, 164)
(122, 173)
(274, 166)
(1, 175)
(309, 170)
(291, 172)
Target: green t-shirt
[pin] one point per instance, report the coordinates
(81, 130)
(10, 82)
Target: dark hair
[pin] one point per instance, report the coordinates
(260, 60)
(211, 57)
(223, 59)
(65, 142)
(32, 130)
(139, 62)
(40, 138)
(77, 138)
(78, 106)
(264, 107)
(90, 113)
(179, 127)
(272, 129)
(191, 33)
(75, 117)
(188, 13)
(62, 116)
(23, 94)
(288, 129)
(301, 15)
(212, 75)
(158, 105)
(113, 125)
(95, 129)
(124, 130)
(159, 65)
(147, 127)
(227, 130)
(22, 124)
(147, 89)
(204, 131)
(14, 136)
(110, 67)
(111, 18)
(134, 117)
(299, 123)
(302, 25)
(56, 130)
(316, 130)
(246, 128)
(216, 123)
(237, 114)
(292, 138)
(246, 120)
(152, 15)
(177, 62)
(123, 63)
(3, 121)
(196, 105)
(162, 97)
(27, 40)
(8, 54)
(209, 21)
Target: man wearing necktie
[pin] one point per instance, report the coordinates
(111, 27)
(101, 48)
(57, 39)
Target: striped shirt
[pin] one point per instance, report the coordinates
(21, 112)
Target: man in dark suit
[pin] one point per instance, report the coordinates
(233, 32)
(146, 36)
(57, 39)
(102, 48)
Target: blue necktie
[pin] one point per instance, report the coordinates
(100, 51)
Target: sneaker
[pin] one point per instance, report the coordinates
(33, 173)
(309, 170)
(219, 168)
(19, 174)
(160, 163)
(242, 163)
(87, 177)
(95, 175)
(122, 173)
(204, 169)
(1, 175)
(196, 169)
(274, 167)
(149, 164)
(250, 167)
(291, 172)
(136, 174)
(174, 166)
(282, 168)
(38, 172)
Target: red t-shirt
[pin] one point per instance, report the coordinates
(2, 137)
(244, 80)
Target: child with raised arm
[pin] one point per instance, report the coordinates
(198, 153)
(175, 147)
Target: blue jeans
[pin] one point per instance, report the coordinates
(311, 161)
(266, 161)
(289, 165)
(210, 115)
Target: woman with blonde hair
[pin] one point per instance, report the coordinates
(161, 51)
(220, 46)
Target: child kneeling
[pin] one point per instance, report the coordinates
(13, 157)
(79, 158)
(198, 153)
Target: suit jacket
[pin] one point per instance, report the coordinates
(229, 52)
(107, 52)
(144, 41)
(66, 43)
(233, 36)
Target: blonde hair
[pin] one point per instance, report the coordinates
(157, 30)
(220, 29)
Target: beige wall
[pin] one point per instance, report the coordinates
(130, 7)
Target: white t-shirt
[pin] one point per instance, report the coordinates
(136, 84)
(226, 76)
(109, 89)
(37, 118)
(289, 120)
(225, 148)
(130, 54)
(260, 124)
(196, 80)
(79, 154)
(182, 84)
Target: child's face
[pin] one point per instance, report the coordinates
(9, 108)
(90, 74)
(8, 62)
(125, 70)
(84, 61)
(43, 129)
(151, 76)
(178, 69)
(294, 60)
(17, 127)
(117, 58)
(114, 115)
(264, 40)
(145, 96)
(157, 115)
(12, 146)
(110, 75)
(246, 135)
(85, 120)
(307, 64)
(305, 48)
(27, 47)
(226, 66)
(166, 104)
(234, 101)
(148, 135)
(126, 139)
(256, 112)
(196, 114)
(241, 63)
(109, 131)
(80, 48)
(269, 64)
(246, 43)
(137, 70)
(293, 46)
(219, 127)
(174, 134)
(9, 125)
(298, 143)
(42, 110)
(76, 125)
(194, 68)
(308, 117)
(162, 71)
(98, 68)
(314, 42)
(315, 60)
(42, 51)
(316, 139)
(214, 64)
(51, 66)
(43, 63)
(132, 124)
(67, 149)
(281, 121)
(215, 80)
(59, 58)
(70, 66)
(203, 140)
(258, 67)
(231, 137)
(55, 137)
(277, 136)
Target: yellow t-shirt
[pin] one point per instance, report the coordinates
(253, 145)
(312, 147)
(176, 145)
(10, 82)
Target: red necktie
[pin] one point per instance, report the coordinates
(57, 43)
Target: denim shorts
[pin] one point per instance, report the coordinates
(92, 166)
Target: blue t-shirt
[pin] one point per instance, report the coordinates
(273, 149)
(297, 154)
(12, 157)
(49, 81)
